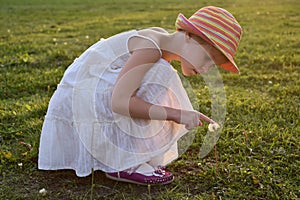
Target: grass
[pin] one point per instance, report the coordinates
(257, 155)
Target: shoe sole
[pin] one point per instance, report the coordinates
(135, 182)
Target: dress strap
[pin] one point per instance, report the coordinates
(147, 38)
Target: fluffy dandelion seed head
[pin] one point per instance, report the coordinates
(213, 127)
(43, 192)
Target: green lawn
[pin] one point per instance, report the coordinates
(257, 154)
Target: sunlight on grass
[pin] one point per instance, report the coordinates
(257, 155)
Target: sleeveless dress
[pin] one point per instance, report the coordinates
(81, 132)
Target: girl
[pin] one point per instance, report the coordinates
(121, 108)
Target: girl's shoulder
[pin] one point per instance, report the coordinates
(152, 32)
(147, 38)
(158, 29)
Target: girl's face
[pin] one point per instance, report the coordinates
(198, 58)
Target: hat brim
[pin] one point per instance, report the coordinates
(186, 25)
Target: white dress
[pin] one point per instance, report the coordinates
(81, 132)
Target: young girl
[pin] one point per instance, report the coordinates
(121, 108)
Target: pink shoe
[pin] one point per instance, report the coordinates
(158, 177)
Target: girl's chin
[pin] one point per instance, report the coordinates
(188, 74)
(185, 73)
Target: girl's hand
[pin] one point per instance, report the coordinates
(190, 119)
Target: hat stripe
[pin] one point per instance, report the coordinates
(214, 11)
(218, 10)
(230, 21)
(224, 45)
(216, 30)
(221, 43)
(179, 19)
(231, 27)
(221, 25)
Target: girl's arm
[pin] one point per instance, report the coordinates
(124, 100)
(141, 109)
(126, 103)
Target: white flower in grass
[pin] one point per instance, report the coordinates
(43, 192)
(213, 127)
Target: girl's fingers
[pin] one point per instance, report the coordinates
(200, 123)
(205, 118)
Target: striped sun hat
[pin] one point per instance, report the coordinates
(218, 27)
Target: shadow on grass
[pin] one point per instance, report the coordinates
(67, 184)
(64, 184)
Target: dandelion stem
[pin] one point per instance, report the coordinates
(92, 187)
(216, 157)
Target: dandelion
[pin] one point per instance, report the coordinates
(213, 127)
(43, 192)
